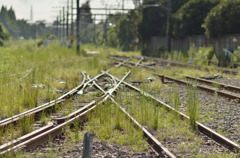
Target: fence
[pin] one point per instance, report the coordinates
(223, 42)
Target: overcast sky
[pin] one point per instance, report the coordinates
(49, 9)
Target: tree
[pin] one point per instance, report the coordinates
(153, 20)
(4, 35)
(177, 4)
(189, 18)
(85, 21)
(20, 28)
(126, 30)
(223, 19)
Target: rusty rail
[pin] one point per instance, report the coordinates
(177, 63)
(202, 128)
(221, 85)
(32, 112)
(157, 146)
(35, 138)
(205, 88)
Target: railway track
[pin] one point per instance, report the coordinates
(225, 93)
(203, 129)
(212, 83)
(172, 63)
(42, 127)
(41, 108)
(207, 131)
(41, 135)
(57, 125)
(221, 89)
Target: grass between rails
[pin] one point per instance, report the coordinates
(53, 68)
(175, 133)
(108, 124)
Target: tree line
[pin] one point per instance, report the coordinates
(19, 28)
(189, 17)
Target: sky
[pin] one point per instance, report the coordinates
(49, 9)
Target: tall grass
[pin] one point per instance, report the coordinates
(192, 105)
(109, 124)
(50, 65)
(174, 98)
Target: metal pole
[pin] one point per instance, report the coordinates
(94, 36)
(128, 32)
(169, 14)
(77, 25)
(72, 38)
(63, 24)
(57, 32)
(67, 19)
(60, 24)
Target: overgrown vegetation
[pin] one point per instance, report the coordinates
(193, 105)
(31, 75)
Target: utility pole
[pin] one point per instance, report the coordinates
(169, 33)
(63, 23)
(94, 35)
(128, 32)
(60, 28)
(77, 25)
(72, 37)
(57, 34)
(67, 19)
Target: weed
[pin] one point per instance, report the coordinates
(76, 130)
(108, 123)
(175, 100)
(43, 118)
(25, 125)
(193, 105)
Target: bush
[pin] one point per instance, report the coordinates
(203, 55)
(189, 18)
(223, 19)
(1, 42)
(4, 35)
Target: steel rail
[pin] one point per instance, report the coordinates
(51, 133)
(31, 142)
(234, 147)
(123, 62)
(31, 112)
(17, 141)
(89, 105)
(157, 146)
(221, 85)
(139, 62)
(205, 88)
(63, 119)
(177, 63)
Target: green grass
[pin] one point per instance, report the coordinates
(193, 105)
(110, 124)
(54, 67)
(164, 125)
(58, 68)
